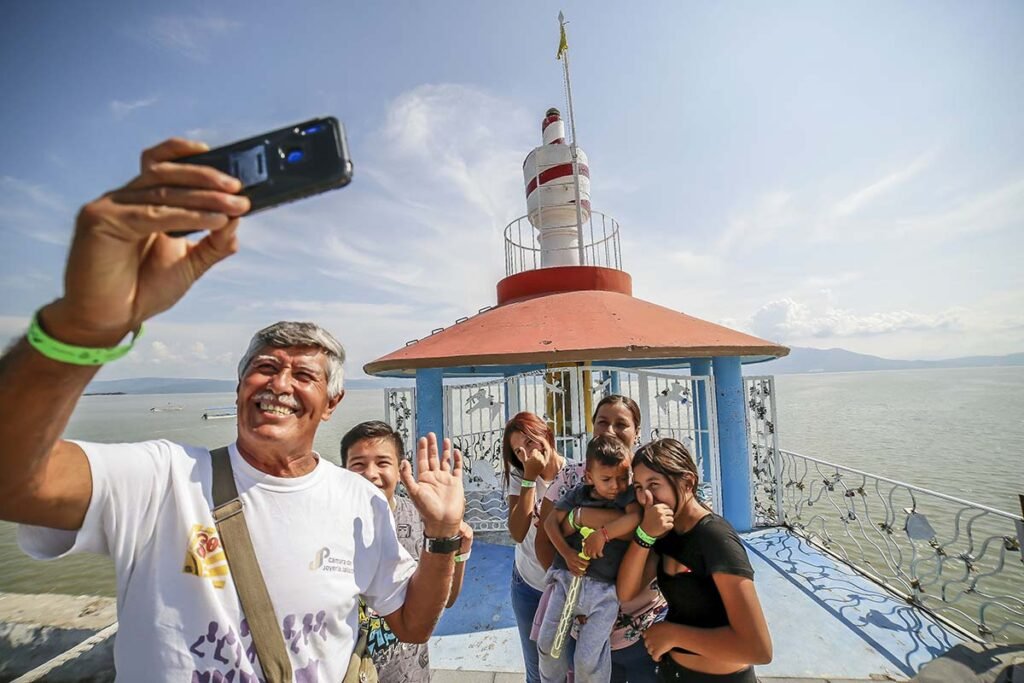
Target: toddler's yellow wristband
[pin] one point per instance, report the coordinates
(74, 355)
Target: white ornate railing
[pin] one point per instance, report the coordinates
(400, 413)
(600, 244)
(959, 560)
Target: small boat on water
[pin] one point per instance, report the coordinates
(220, 413)
(168, 408)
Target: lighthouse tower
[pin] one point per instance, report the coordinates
(557, 194)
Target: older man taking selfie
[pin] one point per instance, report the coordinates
(322, 536)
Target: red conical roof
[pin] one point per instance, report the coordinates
(543, 324)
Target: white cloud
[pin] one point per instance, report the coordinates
(121, 109)
(858, 216)
(189, 36)
(198, 350)
(856, 200)
(39, 195)
(826, 282)
(11, 328)
(421, 222)
(694, 263)
(34, 211)
(160, 353)
(772, 217)
(33, 281)
(787, 320)
(203, 134)
(184, 349)
(988, 210)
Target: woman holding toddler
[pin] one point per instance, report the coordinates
(618, 415)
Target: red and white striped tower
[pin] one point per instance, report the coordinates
(551, 194)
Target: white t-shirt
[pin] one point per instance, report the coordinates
(527, 564)
(322, 539)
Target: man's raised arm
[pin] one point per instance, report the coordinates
(122, 269)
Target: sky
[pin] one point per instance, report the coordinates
(818, 174)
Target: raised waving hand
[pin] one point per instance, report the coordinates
(436, 490)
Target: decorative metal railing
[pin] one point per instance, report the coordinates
(959, 560)
(680, 406)
(400, 413)
(764, 444)
(600, 244)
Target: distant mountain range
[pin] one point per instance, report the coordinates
(799, 360)
(802, 360)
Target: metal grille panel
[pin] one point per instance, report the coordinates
(671, 405)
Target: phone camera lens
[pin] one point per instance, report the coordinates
(294, 155)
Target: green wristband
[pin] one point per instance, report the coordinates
(584, 532)
(527, 484)
(573, 519)
(74, 355)
(644, 536)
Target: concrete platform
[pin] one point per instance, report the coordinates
(827, 621)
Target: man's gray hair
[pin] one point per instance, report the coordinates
(286, 334)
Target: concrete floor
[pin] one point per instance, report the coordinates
(827, 622)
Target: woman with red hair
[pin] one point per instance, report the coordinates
(531, 463)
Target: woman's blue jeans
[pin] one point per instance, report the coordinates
(524, 604)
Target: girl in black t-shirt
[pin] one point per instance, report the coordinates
(715, 629)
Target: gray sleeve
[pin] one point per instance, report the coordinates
(572, 498)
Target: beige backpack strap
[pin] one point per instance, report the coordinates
(245, 572)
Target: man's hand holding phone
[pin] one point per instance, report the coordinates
(123, 267)
(128, 261)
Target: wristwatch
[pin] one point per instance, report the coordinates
(442, 545)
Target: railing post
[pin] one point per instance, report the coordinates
(780, 512)
(702, 366)
(645, 406)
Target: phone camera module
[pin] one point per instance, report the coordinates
(294, 155)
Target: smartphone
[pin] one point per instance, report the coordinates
(284, 165)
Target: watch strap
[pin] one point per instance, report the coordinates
(442, 545)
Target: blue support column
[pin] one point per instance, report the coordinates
(702, 366)
(737, 506)
(615, 383)
(429, 402)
